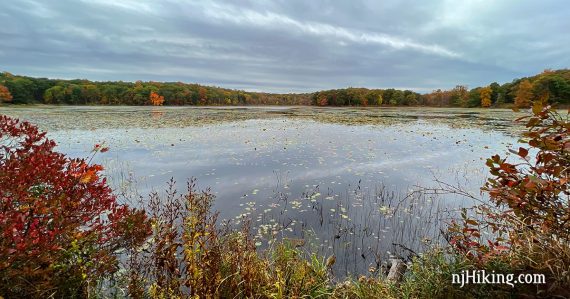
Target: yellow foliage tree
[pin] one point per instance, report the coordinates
(485, 94)
(5, 95)
(156, 99)
(379, 100)
(524, 94)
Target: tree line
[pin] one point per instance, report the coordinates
(551, 85)
(366, 97)
(29, 90)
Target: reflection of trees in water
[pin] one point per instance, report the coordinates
(157, 114)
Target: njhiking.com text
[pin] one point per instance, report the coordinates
(484, 277)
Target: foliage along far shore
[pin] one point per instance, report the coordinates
(551, 86)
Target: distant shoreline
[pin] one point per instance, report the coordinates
(551, 85)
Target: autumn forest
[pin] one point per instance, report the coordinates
(553, 85)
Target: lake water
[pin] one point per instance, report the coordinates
(338, 177)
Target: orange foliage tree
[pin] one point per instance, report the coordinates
(485, 94)
(202, 94)
(156, 99)
(524, 94)
(5, 95)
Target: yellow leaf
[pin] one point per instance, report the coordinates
(537, 107)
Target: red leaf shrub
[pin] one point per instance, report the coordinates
(536, 191)
(60, 224)
(529, 214)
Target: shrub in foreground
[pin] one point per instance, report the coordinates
(60, 224)
(530, 219)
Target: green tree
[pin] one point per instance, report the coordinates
(553, 86)
(459, 96)
(90, 93)
(397, 98)
(496, 93)
(410, 98)
(474, 97)
(21, 89)
(54, 95)
(374, 97)
(73, 95)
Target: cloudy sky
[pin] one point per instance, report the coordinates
(286, 46)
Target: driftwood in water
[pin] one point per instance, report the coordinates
(397, 270)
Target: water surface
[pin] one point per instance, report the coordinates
(338, 176)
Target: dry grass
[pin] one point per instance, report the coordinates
(190, 254)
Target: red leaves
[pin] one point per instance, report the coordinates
(523, 152)
(531, 196)
(49, 201)
(508, 168)
(99, 148)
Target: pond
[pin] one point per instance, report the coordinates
(340, 178)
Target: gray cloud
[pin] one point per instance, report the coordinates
(286, 46)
